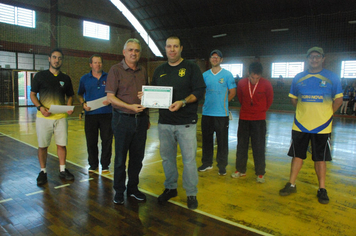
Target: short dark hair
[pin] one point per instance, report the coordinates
(256, 68)
(95, 55)
(175, 37)
(56, 50)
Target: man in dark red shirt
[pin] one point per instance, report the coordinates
(256, 96)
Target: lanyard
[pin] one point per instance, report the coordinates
(253, 92)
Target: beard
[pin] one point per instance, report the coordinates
(56, 66)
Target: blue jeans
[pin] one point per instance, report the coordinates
(186, 137)
(130, 136)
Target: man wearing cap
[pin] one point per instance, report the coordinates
(316, 93)
(220, 89)
(255, 94)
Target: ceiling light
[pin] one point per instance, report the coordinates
(279, 30)
(219, 35)
(352, 22)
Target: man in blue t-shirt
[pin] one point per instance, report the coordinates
(91, 87)
(316, 94)
(220, 89)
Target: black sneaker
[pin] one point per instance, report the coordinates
(192, 202)
(167, 194)
(119, 198)
(205, 168)
(222, 171)
(92, 169)
(288, 190)
(42, 178)
(138, 195)
(66, 175)
(322, 196)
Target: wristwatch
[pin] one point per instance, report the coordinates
(184, 102)
(39, 107)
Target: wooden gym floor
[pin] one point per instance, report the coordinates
(227, 206)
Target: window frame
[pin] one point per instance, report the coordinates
(97, 30)
(14, 15)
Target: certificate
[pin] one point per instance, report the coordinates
(95, 104)
(157, 96)
(55, 109)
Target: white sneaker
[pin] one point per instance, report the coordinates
(237, 174)
(260, 179)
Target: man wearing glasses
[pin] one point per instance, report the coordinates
(91, 87)
(316, 93)
(220, 89)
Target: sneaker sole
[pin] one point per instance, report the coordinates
(286, 193)
(164, 200)
(323, 201)
(118, 202)
(41, 183)
(236, 177)
(66, 178)
(207, 168)
(137, 198)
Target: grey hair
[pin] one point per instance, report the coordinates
(132, 40)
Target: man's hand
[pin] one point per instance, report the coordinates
(106, 102)
(85, 107)
(45, 111)
(140, 95)
(137, 108)
(70, 112)
(176, 106)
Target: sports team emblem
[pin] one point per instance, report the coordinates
(181, 72)
(322, 84)
(221, 80)
(61, 83)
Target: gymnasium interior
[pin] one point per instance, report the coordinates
(277, 33)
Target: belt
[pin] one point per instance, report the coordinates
(132, 115)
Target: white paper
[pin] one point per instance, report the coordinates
(157, 96)
(56, 109)
(98, 103)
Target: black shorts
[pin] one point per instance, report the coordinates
(320, 144)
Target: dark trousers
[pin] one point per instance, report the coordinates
(219, 125)
(94, 124)
(130, 136)
(256, 129)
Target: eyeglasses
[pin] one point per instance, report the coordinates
(318, 57)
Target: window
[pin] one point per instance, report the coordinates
(17, 16)
(25, 61)
(8, 60)
(95, 30)
(287, 69)
(41, 62)
(235, 69)
(348, 69)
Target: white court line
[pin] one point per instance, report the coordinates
(6, 200)
(177, 203)
(37, 148)
(61, 186)
(84, 180)
(29, 194)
